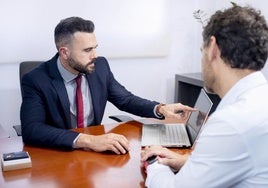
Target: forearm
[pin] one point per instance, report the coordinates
(178, 164)
(40, 134)
(83, 141)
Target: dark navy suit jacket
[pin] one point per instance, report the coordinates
(45, 110)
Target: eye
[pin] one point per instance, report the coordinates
(91, 48)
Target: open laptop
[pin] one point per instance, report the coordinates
(179, 135)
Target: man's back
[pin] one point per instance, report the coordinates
(252, 125)
(239, 130)
(231, 149)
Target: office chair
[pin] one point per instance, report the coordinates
(27, 66)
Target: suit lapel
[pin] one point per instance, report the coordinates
(95, 97)
(59, 86)
(62, 94)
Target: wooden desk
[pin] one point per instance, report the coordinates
(79, 168)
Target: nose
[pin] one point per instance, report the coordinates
(94, 53)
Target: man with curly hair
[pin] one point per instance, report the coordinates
(231, 150)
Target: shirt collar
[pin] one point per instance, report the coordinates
(66, 75)
(250, 81)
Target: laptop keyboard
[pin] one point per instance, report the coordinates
(174, 134)
(166, 135)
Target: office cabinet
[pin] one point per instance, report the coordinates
(187, 88)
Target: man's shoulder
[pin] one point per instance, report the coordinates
(43, 69)
(38, 71)
(101, 64)
(101, 60)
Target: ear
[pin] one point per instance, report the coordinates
(64, 52)
(213, 50)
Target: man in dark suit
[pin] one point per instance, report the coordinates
(49, 108)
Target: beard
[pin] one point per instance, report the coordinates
(208, 89)
(209, 82)
(208, 77)
(84, 69)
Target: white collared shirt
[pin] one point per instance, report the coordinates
(231, 150)
(70, 85)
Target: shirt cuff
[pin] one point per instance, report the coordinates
(75, 141)
(156, 114)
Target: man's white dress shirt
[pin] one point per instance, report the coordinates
(232, 148)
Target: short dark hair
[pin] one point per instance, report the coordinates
(67, 27)
(242, 36)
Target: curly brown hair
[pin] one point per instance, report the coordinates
(242, 36)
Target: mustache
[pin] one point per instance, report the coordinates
(91, 62)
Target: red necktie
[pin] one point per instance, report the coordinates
(79, 103)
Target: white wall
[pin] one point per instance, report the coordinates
(150, 75)
(134, 29)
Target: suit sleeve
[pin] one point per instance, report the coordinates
(125, 100)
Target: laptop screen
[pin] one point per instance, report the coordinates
(198, 118)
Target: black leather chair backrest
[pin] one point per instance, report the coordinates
(25, 67)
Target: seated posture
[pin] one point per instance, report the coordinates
(71, 90)
(231, 149)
